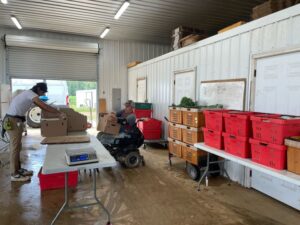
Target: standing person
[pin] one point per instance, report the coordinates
(13, 124)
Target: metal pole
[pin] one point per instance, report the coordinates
(205, 172)
(95, 196)
(66, 203)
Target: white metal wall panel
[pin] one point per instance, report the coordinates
(283, 191)
(184, 86)
(224, 56)
(141, 90)
(51, 64)
(278, 84)
(114, 57)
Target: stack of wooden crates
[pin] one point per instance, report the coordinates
(184, 131)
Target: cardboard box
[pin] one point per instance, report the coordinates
(293, 154)
(191, 39)
(133, 63)
(231, 26)
(105, 125)
(52, 127)
(267, 8)
(76, 121)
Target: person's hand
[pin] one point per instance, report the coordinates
(62, 115)
(113, 118)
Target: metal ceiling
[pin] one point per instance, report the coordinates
(147, 20)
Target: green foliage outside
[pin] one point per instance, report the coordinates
(74, 86)
(72, 103)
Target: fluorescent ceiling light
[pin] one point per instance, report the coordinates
(4, 1)
(104, 33)
(16, 22)
(122, 10)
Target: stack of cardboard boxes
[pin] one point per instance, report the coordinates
(53, 125)
(184, 131)
(271, 6)
(181, 32)
(105, 123)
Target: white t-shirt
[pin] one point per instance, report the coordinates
(21, 103)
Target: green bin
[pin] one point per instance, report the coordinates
(142, 105)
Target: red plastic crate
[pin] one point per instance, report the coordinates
(143, 113)
(214, 119)
(151, 134)
(273, 129)
(149, 124)
(57, 180)
(236, 145)
(238, 123)
(213, 138)
(270, 155)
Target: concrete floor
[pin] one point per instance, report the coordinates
(154, 194)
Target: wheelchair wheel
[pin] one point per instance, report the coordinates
(132, 160)
(193, 171)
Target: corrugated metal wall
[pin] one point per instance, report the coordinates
(223, 56)
(114, 57)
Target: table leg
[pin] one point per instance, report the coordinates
(96, 198)
(205, 172)
(66, 203)
(170, 161)
(225, 171)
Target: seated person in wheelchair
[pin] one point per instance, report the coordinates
(126, 118)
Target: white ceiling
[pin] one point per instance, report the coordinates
(148, 20)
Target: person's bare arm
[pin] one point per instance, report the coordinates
(45, 106)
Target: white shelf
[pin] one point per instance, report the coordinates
(281, 174)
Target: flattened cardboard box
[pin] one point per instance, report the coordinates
(53, 127)
(107, 126)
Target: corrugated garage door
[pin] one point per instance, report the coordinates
(37, 63)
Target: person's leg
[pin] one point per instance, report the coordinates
(15, 135)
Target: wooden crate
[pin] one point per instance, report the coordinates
(175, 131)
(175, 115)
(193, 117)
(191, 135)
(231, 26)
(293, 154)
(191, 154)
(175, 147)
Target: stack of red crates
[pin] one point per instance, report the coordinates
(237, 133)
(269, 132)
(150, 127)
(214, 126)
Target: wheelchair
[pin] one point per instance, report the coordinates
(125, 146)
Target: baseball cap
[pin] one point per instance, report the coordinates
(129, 103)
(43, 86)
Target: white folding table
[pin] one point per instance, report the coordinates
(281, 174)
(55, 162)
